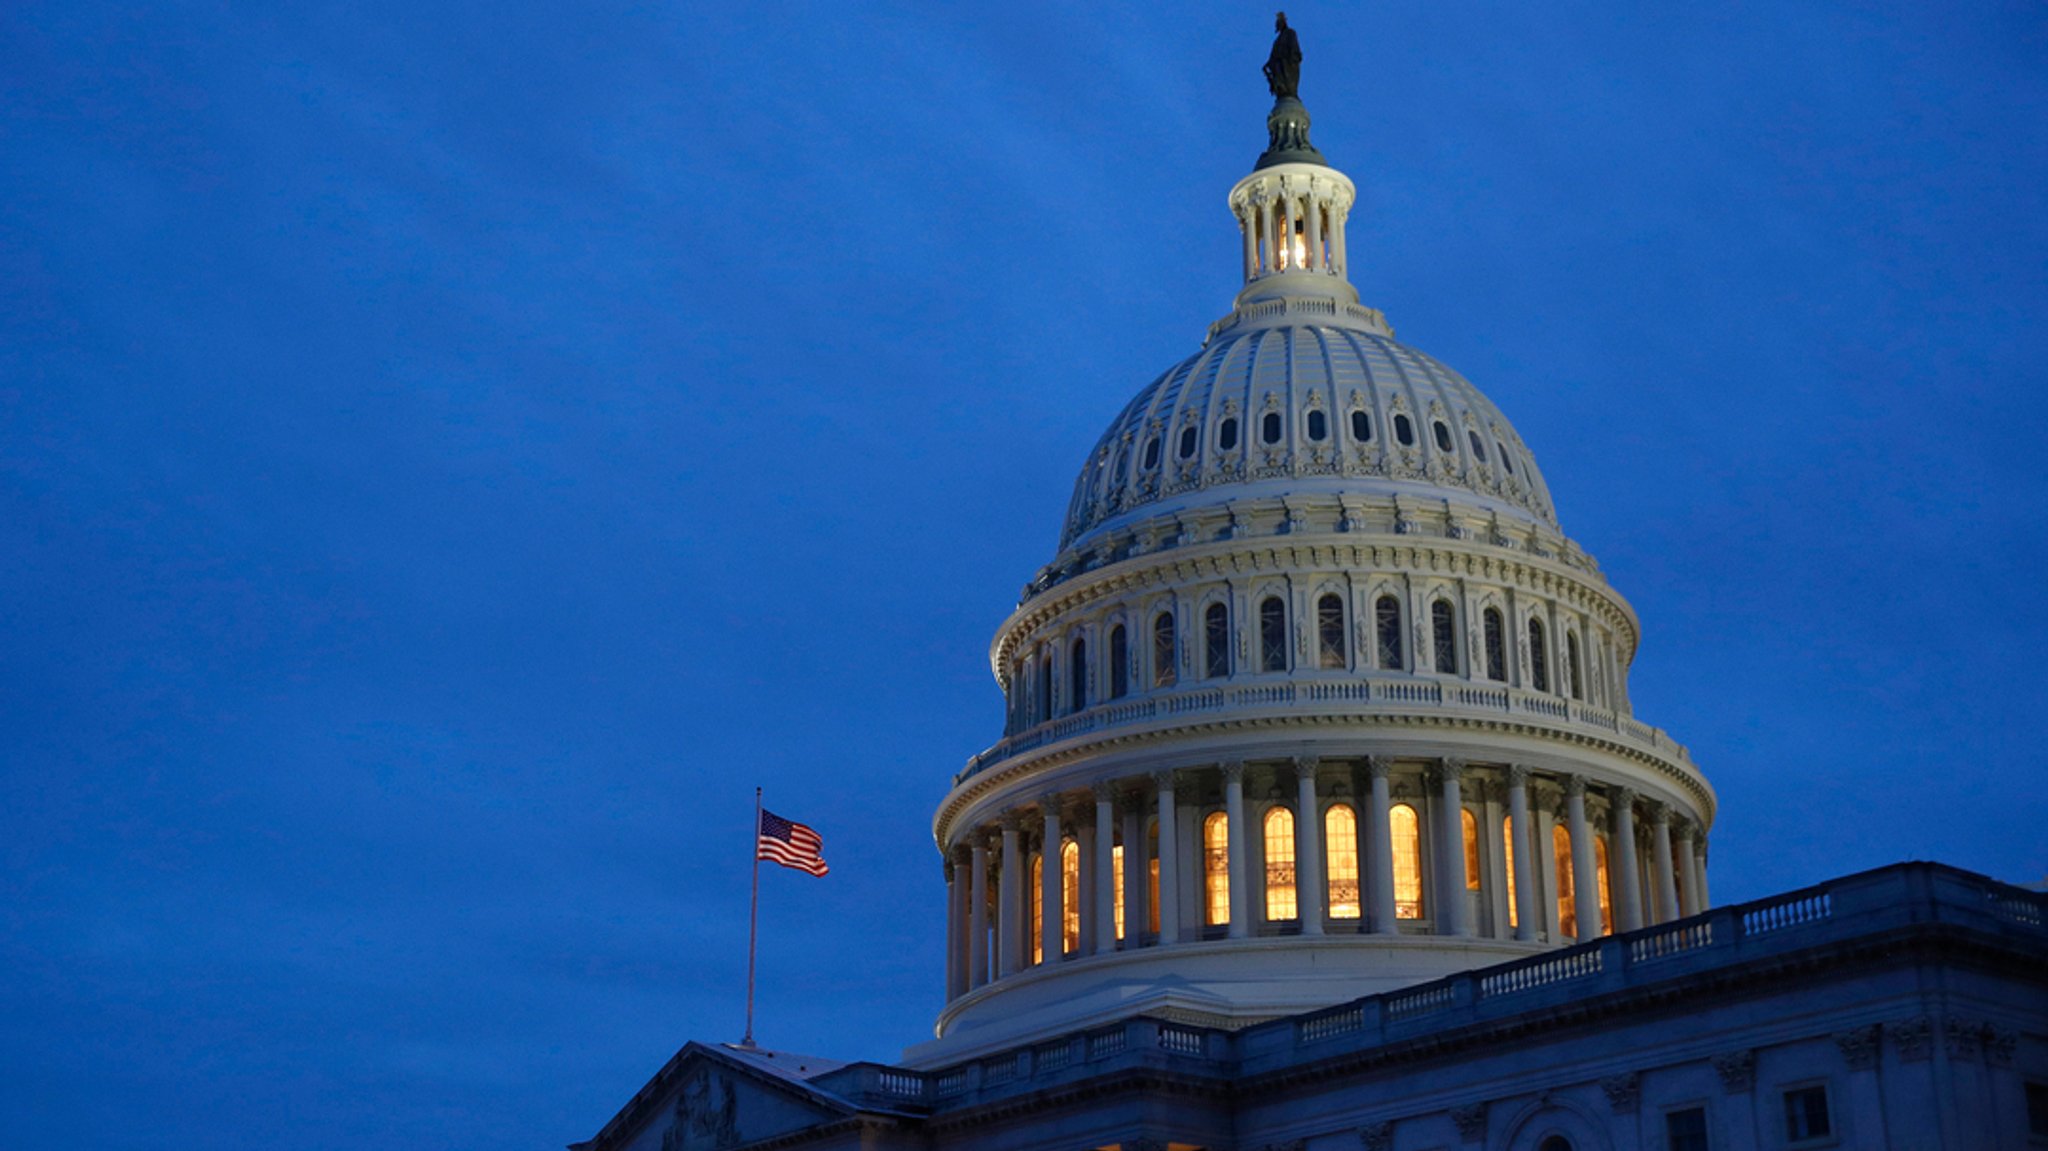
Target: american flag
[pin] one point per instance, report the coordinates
(790, 844)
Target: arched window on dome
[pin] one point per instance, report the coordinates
(1270, 427)
(1404, 831)
(1507, 859)
(1190, 437)
(1443, 435)
(1496, 646)
(1567, 904)
(1281, 901)
(1606, 888)
(1340, 844)
(1330, 645)
(1468, 826)
(1571, 664)
(1361, 426)
(1216, 869)
(1037, 904)
(1070, 896)
(1387, 624)
(1216, 641)
(1044, 704)
(1318, 426)
(1162, 650)
(1443, 631)
(1077, 676)
(1478, 445)
(1226, 434)
(1404, 430)
(1119, 663)
(1272, 634)
(1152, 453)
(1507, 460)
(1539, 656)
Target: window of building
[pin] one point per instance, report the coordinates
(1539, 657)
(1151, 453)
(1443, 435)
(1387, 616)
(1567, 906)
(1555, 1143)
(2037, 1108)
(1216, 641)
(1044, 685)
(1686, 1129)
(1162, 650)
(1216, 868)
(1269, 428)
(1506, 460)
(1340, 843)
(1507, 859)
(1272, 634)
(1404, 430)
(1330, 645)
(1189, 437)
(1606, 888)
(1034, 897)
(1361, 426)
(1806, 1113)
(1077, 675)
(1119, 663)
(1318, 426)
(1571, 664)
(1070, 896)
(1226, 435)
(1152, 876)
(1478, 446)
(1116, 867)
(1281, 902)
(1405, 832)
(1496, 646)
(1443, 629)
(1468, 826)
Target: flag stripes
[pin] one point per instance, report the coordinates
(790, 844)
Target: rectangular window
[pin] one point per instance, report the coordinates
(1806, 1113)
(2037, 1109)
(1686, 1130)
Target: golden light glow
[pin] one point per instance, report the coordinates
(1035, 895)
(1606, 890)
(1340, 837)
(1507, 856)
(1567, 904)
(1469, 827)
(1281, 898)
(1070, 897)
(1216, 867)
(1406, 834)
(1116, 867)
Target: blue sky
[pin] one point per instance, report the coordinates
(450, 454)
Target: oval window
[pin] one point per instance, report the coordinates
(1404, 431)
(1361, 426)
(1318, 426)
(1443, 436)
(1269, 428)
(1478, 448)
(1151, 453)
(1187, 441)
(1507, 461)
(1226, 436)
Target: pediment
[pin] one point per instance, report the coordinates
(709, 1100)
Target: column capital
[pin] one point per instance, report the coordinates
(1659, 813)
(1684, 829)
(1575, 786)
(1233, 771)
(1518, 775)
(1132, 801)
(1623, 799)
(1049, 805)
(1163, 780)
(1008, 821)
(961, 853)
(1307, 765)
(1378, 766)
(1451, 770)
(1079, 815)
(947, 866)
(1105, 791)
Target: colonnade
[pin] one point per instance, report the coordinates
(1441, 847)
(1292, 223)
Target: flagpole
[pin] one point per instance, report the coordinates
(753, 920)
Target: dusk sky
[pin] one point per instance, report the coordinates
(451, 453)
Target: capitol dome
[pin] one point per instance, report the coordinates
(1315, 700)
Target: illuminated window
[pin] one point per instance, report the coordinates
(1469, 826)
(1077, 675)
(1507, 858)
(1119, 663)
(1606, 890)
(1272, 634)
(1567, 906)
(1116, 878)
(1281, 902)
(1152, 878)
(1037, 907)
(1340, 839)
(1361, 426)
(1226, 434)
(1387, 618)
(1443, 631)
(1070, 896)
(1571, 664)
(1496, 646)
(1539, 657)
(1216, 641)
(1318, 426)
(1404, 431)
(1162, 649)
(1330, 645)
(1406, 833)
(1216, 867)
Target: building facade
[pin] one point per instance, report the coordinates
(1321, 819)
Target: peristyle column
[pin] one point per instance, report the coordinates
(977, 917)
(1240, 883)
(1450, 889)
(1169, 860)
(1526, 913)
(1384, 921)
(1135, 869)
(1051, 902)
(1681, 851)
(1628, 884)
(1660, 863)
(1011, 953)
(1585, 869)
(1311, 894)
(956, 929)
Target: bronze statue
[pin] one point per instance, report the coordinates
(1283, 66)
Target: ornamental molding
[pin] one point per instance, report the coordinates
(1377, 1136)
(1622, 1091)
(1859, 1046)
(1470, 1119)
(1737, 1070)
(1912, 1037)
